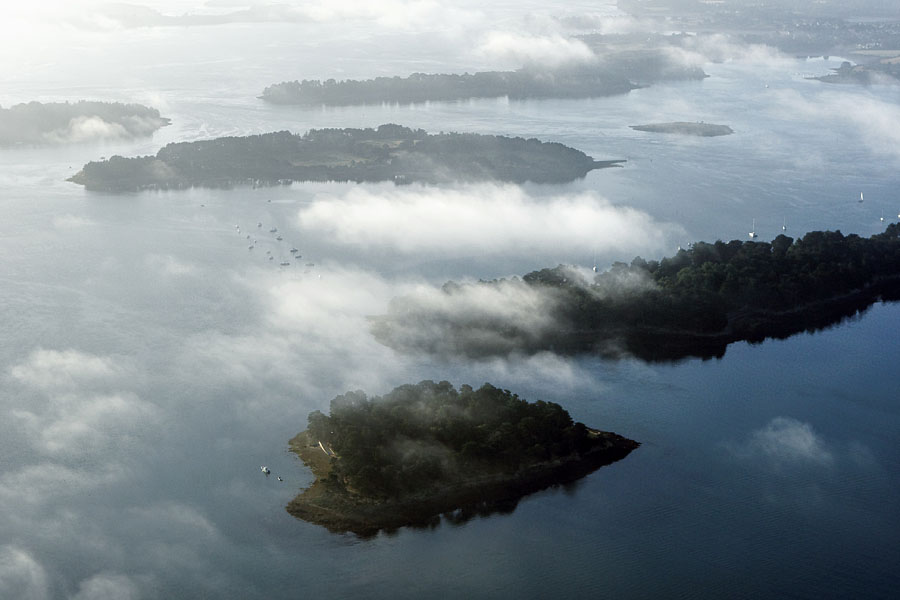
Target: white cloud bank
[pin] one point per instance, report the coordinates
(545, 50)
(491, 219)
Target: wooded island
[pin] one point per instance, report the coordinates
(388, 153)
(429, 449)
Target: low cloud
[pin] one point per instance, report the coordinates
(535, 50)
(76, 410)
(107, 586)
(786, 442)
(493, 219)
(167, 264)
(508, 316)
(21, 576)
(71, 426)
(873, 123)
(53, 369)
(694, 50)
(92, 128)
(391, 14)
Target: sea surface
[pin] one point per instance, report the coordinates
(151, 362)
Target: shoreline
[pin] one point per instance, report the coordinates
(342, 512)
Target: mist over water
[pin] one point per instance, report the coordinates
(151, 362)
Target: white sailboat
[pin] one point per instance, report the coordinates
(752, 233)
(860, 196)
(784, 225)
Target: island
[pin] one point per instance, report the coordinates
(692, 304)
(387, 153)
(37, 123)
(686, 128)
(426, 450)
(575, 82)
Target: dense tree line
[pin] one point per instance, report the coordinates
(388, 153)
(572, 82)
(419, 436)
(691, 304)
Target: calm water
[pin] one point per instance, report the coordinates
(151, 362)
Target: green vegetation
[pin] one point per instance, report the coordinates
(426, 449)
(388, 153)
(692, 304)
(62, 122)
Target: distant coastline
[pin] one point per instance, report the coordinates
(388, 153)
(686, 128)
(583, 82)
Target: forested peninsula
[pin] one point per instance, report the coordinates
(37, 123)
(426, 450)
(388, 153)
(692, 304)
(615, 74)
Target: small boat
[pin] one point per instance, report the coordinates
(752, 233)
(265, 469)
(271, 257)
(860, 196)
(251, 247)
(259, 224)
(273, 230)
(279, 238)
(285, 263)
(784, 225)
(294, 251)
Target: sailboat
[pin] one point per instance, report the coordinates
(784, 225)
(752, 233)
(860, 196)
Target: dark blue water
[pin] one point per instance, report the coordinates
(151, 362)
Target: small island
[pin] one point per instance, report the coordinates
(37, 123)
(692, 304)
(686, 128)
(388, 153)
(426, 450)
